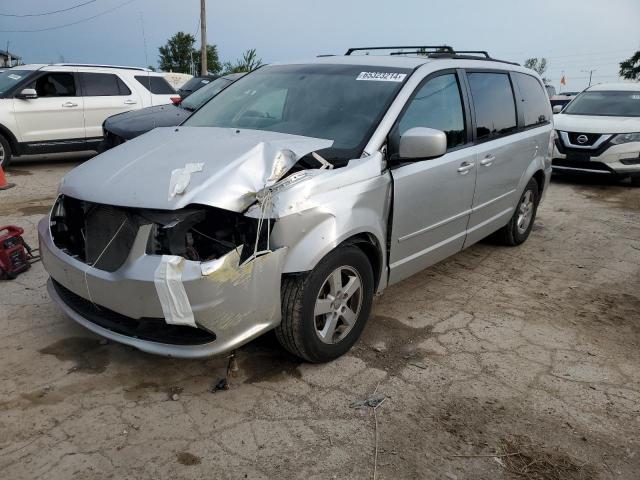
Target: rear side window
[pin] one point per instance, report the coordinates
(156, 85)
(533, 100)
(493, 104)
(437, 104)
(103, 85)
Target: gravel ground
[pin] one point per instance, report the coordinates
(496, 363)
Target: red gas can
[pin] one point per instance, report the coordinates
(14, 252)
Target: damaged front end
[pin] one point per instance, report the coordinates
(194, 282)
(189, 263)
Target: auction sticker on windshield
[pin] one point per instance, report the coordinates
(382, 76)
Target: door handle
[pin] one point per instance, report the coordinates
(487, 160)
(130, 102)
(464, 168)
(69, 104)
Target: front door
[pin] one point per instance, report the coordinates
(57, 112)
(432, 198)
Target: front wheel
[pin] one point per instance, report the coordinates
(5, 152)
(325, 311)
(519, 227)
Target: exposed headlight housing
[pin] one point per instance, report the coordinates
(626, 138)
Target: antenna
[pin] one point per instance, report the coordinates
(144, 40)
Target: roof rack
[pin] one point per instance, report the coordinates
(442, 51)
(120, 67)
(420, 48)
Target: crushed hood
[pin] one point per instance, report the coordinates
(595, 123)
(220, 167)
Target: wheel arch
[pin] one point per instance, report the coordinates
(11, 138)
(368, 243)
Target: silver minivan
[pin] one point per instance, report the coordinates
(294, 196)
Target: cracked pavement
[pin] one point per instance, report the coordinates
(538, 343)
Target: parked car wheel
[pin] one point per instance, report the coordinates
(5, 152)
(325, 311)
(519, 227)
(635, 180)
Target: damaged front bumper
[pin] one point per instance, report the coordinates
(231, 302)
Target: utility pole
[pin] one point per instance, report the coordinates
(203, 38)
(590, 72)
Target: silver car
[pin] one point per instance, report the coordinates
(291, 198)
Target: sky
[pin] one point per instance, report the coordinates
(574, 35)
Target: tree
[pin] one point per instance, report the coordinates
(247, 63)
(179, 55)
(538, 65)
(630, 68)
(213, 61)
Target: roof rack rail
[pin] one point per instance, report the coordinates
(443, 51)
(120, 67)
(420, 48)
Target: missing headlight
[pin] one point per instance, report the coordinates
(204, 233)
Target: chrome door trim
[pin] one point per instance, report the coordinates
(486, 204)
(426, 250)
(435, 225)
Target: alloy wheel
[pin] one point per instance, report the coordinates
(525, 212)
(338, 305)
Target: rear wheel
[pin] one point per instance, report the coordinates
(325, 311)
(519, 227)
(5, 152)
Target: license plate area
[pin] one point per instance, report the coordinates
(578, 157)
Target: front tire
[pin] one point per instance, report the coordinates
(519, 227)
(325, 311)
(5, 152)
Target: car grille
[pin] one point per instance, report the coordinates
(99, 235)
(149, 329)
(591, 138)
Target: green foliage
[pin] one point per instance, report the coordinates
(180, 55)
(247, 63)
(630, 68)
(538, 65)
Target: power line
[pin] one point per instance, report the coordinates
(47, 13)
(72, 23)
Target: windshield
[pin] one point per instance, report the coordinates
(194, 83)
(11, 77)
(606, 103)
(202, 95)
(343, 103)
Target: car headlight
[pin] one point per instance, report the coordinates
(626, 138)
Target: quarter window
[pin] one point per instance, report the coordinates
(103, 85)
(437, 104)
(156, 85)
(493, 104)
(533, 100)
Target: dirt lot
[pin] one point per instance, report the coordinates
(498, 363)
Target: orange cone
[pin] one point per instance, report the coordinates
(4, 185)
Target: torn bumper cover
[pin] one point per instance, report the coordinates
(228, 301)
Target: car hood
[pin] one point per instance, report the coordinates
(595, 124)
(170, 168)
(130, 124)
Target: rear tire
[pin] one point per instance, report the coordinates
(519, 227)
(325, 311)
(5, 152)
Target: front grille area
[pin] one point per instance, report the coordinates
(591, 138)
(98, 235)
(150, 329)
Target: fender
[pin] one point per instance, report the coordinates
(16, 150)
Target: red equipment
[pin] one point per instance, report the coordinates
(15, 254)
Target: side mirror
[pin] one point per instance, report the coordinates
(420, 143)
(557, 108)
(27, 93)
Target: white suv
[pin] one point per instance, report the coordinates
(599, 132)
(60, 108)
